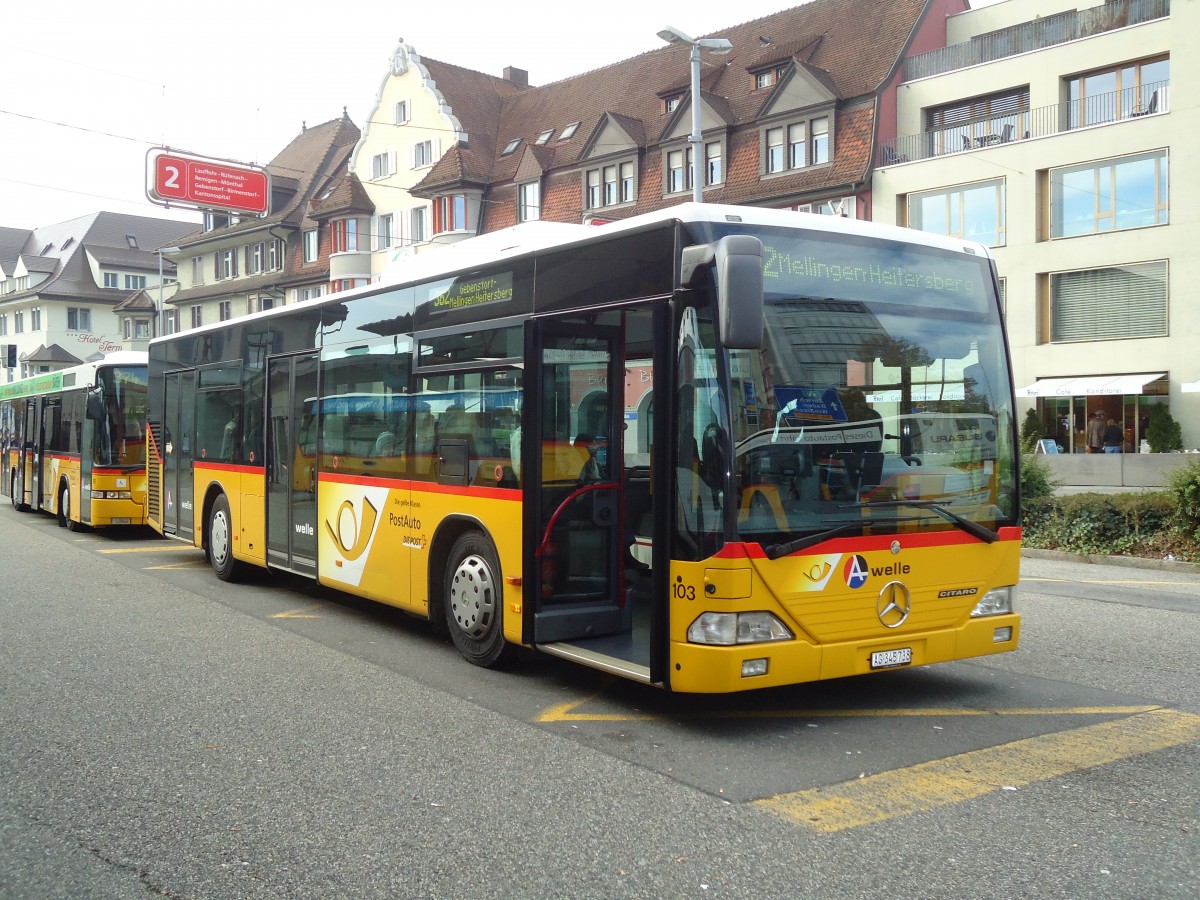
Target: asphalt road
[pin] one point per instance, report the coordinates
(168, 735)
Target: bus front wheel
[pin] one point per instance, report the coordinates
(16, 493)
(474, 602)
(220, 541)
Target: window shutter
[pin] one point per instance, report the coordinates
(217, 265)
(1110, 304)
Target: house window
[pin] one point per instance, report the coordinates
(345, 284)
(670, 104)
(1113, 303)
(310, 245)
(135, 282)
(112, 280)
(171, 321)
(382, 166)
(764, 79)
(511, 147)
(3, 323)
(818, 145)
(774, 154)
(35, 319)
(79, 318)
(628, 188)
(225, 310)
(449, 214)
(796, 145)
(401, 112)
(346, 236)
(197, 316)
(529, 204)
(569, 132)
(712, 162)
(275, 254)
(197, 270)
(422, 154)
(213, 221)
(544, 137)
(141, 329)
(973, 212)
(309, 293)
(1109, 95)
(609, 185)
(1112, 195)
(18, 323)
(678, 169)
(419, 222)
(383, 232)
(255, 254)
(127, 329)
(978, 121)
(226, 264)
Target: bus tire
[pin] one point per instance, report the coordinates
(219, 541)
(64, 505)
(474, 602)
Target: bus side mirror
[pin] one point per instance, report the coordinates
(740, 291)
(95, 405)
(737, 259)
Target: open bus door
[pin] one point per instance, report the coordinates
(25, 479)
(571, 475)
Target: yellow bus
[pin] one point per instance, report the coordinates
(709, 448)
(73, 442)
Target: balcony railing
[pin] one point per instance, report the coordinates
(1070, 115)
(1044, 32)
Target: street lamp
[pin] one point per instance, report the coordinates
(715, 45)
(158, 313)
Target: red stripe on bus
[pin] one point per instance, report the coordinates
(229, 467)
(865, 543)
(423, 486)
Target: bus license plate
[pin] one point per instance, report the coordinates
(886, 659)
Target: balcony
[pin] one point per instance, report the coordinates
(1059, 118)
(1036, 35)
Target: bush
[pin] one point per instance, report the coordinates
(1183, 486)
(1163, 432)
(1122, 524)
(1031, 431)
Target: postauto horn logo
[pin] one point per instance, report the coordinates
(353, 536)
(856, 571)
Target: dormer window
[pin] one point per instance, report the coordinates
(131, 239)
(545, 136)
(670, 104)
(763, 80)
(569, 132)
(511, 147)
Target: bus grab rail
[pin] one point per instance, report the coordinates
(569, 499)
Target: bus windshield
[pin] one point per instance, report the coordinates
(118, 412)
(880, 400)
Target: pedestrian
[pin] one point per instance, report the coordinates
(1095, 433)
(1114, 438)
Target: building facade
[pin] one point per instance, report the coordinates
(1065, 142)
(63, 288)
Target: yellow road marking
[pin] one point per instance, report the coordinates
(939, 783)
(565, 712)
(168, 548)
(189, 564)
(302, 613)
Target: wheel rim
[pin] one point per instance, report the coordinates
(473, 597)
(66, 505)
(219, 538)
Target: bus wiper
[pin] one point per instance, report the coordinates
(777, 550)
(972, 528)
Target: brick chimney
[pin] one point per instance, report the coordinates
(518, 77)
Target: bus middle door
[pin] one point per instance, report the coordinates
(572, 480)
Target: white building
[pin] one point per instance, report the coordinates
(1064, 137)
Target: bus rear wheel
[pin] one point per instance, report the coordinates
(474, 602)
(220, 541)
(64, 506)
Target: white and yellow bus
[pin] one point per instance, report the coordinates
(73, 442)
(710, 448)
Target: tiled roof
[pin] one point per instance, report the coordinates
(346, 195)
(851, 46)
(52, 354)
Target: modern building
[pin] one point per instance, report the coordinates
(62, 288)
(1063, 137)
(237, 265)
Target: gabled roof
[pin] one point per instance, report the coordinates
(850, 46)
(138, 301)
(345, 194)
(52, 354)
(59, 250)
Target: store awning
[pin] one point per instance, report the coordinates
(1090, 386)
(1190, 387)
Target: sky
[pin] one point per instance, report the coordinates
(89, 87)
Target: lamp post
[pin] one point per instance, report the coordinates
(715, 45)
(158, 313)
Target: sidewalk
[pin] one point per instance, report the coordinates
(1127, 562)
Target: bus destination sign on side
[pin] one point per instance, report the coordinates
(179, 180)
(471, 292)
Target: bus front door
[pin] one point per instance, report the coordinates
(179, 420)
(572, 481)
(26, 485)
(291, 463)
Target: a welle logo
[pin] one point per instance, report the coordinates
(857, 572)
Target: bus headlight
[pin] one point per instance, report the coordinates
(995, 602)
(727, 629)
